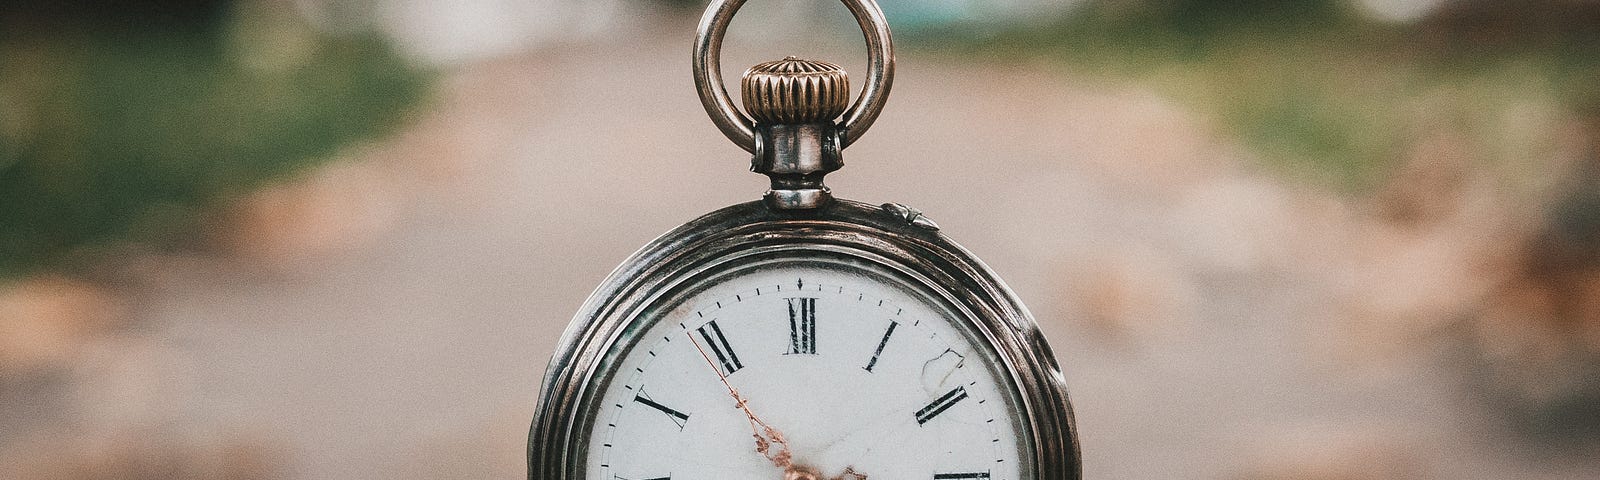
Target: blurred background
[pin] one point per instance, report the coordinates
(337, 239)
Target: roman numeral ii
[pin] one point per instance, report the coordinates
(939, 406)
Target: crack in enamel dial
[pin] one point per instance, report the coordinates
(806, 370)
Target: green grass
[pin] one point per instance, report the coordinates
(1323, 93)
(114, 135)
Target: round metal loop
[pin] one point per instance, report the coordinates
(738, 126)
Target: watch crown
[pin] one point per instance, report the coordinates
(795, 91)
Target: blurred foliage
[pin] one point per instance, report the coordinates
(1327, 92)
(123, 121)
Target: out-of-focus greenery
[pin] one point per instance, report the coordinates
(1327, 92)
(122, 123)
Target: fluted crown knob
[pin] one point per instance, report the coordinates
(795, 91)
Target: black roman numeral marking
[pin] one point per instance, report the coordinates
(678, 417)
(954, 476)
(802, 326)
(939, 406)
(719, 346)
(882, 343)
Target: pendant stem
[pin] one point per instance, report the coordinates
(796, 157)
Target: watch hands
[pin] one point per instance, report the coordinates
(803, 473)
(766, 436)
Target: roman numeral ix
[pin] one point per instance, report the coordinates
(802, 326)
(678, 417)
(719, 346)
(939, 406)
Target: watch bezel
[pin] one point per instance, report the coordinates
(863, 232)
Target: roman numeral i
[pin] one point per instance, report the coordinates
(884, 342)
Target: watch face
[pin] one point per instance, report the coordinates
(840, 370)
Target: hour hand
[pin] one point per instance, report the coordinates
(796, 472)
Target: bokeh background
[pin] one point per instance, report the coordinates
(337, 239)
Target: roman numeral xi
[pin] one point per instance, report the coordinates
(719, 346)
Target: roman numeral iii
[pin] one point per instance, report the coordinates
(802, 326)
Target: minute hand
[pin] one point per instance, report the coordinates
(766, 436)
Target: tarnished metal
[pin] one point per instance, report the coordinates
(910, 215)
(796, 158)
(794, 103)
(707, 63)
(616, 314)
(795, 141)
(794, 91)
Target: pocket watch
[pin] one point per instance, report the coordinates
(800, 336)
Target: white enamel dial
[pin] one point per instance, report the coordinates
(845, 375)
